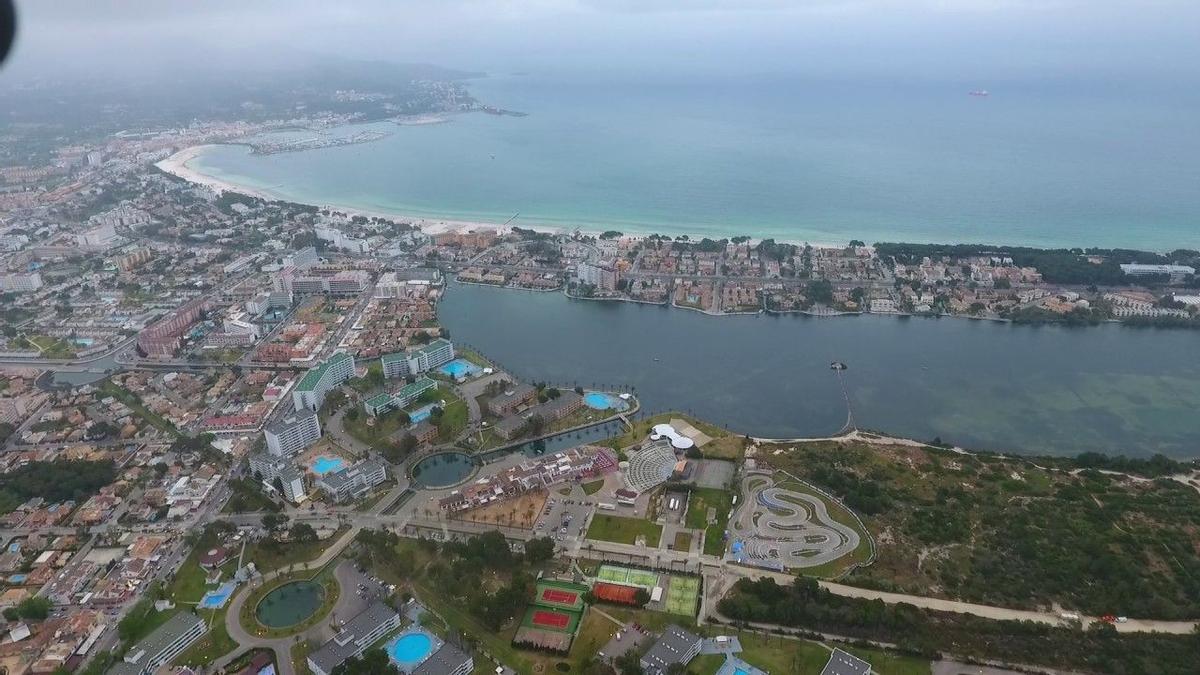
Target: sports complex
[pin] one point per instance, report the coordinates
(674, 593)
(553, 617)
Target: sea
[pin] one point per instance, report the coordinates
(1033, 163)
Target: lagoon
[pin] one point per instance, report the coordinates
(978, 384)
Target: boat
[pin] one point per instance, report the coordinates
(979, 92)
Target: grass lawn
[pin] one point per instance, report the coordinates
(683, 542)
(215, 643)
(300, 652)
(592, 487)
(454, 415)
(267, 555)
(473, 357)
(371, 430)
(700, 500)
(623, 530)
(248, 497)
(53, 348)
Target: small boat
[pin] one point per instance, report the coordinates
(656, 358)
(979, 92)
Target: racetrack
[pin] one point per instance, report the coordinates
(792, 529)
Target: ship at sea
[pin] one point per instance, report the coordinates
(978, 92)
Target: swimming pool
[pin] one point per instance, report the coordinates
(421, 414)
(216, 599)
(410, 649)
(323, 464)
(598, 400)
(459, 368)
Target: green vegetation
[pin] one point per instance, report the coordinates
(35, 608)
(452, 420)
(271, 554)
(805, 605)
(623, 530)
(699, 502)
(592, 487)
(56, 481)
(52, 348)
(1010, 532)
(110, 388)
(248, 497)
(373, 430)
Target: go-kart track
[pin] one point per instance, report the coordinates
(780, 528)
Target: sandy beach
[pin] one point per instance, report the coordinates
(176, 165)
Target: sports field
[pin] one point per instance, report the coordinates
(682, 594)
(615, 593)
(559, 595)
(554, 620)
(617, 574)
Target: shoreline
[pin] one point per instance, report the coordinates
(176, 165)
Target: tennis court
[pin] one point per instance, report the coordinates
(545, 619)
(682, 594)
(615, 593)
(559, 595)
(628, 576)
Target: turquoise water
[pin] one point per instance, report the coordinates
(421, 414)
(323, 465)
(1038, 164)
(216, 599)
(408, 650)
(598, 400)
(459, 368)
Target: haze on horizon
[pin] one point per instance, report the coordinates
(1149, 42)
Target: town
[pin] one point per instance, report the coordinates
(238, 439)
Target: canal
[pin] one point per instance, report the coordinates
(981, 385)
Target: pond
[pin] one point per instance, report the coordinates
(443, 469)
(290, 604)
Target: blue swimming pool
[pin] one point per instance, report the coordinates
(323, 465)
(216, 599)
(421, 414)
(410, 649)
(598, 400)
(459, 368)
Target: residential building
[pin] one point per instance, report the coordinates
(102, 236)
(303, 259)
(845, 663)
(382, 403)
(542, 473)
(353, 482)
(272, 468)
(604, 277)
(1139, 270)
(354, 638)
(433, 355)
(310, 392)
(21, 282)
(163, 337)
(511, 399)
(675, 645)
(164, 644)
(293, 433)
(447, 660)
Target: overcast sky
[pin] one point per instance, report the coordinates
(959, 39)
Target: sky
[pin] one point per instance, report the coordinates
(976, 40)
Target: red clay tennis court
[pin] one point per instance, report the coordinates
(615, 593)
(559, 596)
(550, 619)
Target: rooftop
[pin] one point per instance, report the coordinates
(162, 637)
(345, 643)
(314, 375)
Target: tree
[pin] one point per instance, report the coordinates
(372, 662)
(641, 597)
(11, 614)
(35, 608)
(302, 532)
(539, 549)
(274, 522)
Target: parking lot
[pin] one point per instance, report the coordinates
(563, 512)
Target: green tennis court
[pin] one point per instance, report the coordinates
(616, 574)
(682, 593)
